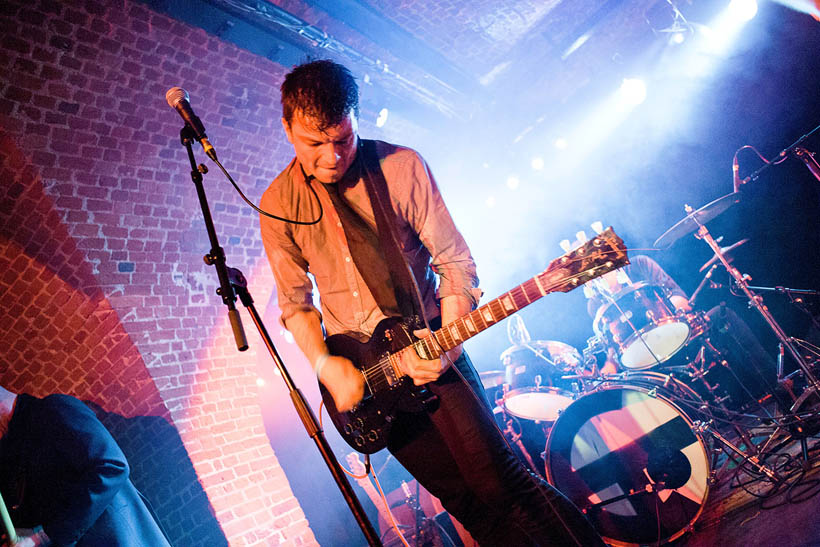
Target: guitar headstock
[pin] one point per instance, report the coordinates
(357, 467)
(601, 254)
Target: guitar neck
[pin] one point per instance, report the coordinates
(455, 332)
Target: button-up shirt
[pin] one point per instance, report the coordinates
(429, 239)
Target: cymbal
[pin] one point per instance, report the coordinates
(693, 220)
(723, 250)
(491, 378)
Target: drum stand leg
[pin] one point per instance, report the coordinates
(515, 438)
(698, 373)
(704, 427)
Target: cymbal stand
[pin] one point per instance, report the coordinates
(756, 301)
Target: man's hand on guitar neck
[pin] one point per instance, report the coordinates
(423, 371)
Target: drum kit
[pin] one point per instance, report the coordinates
(638, 450)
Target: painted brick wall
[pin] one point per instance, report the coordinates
(105, 293)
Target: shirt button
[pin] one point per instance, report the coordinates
(355, 294)
(347, 259)
(339, 224)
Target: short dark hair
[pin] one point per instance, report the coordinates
(322, 90)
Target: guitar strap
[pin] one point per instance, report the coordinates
(408, 296)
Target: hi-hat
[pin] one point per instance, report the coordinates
(693, 220)
(724, 251)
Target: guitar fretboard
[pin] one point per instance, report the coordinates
(454, 333)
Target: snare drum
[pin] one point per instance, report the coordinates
(533, 388)
(542, 404)
(631, 459)
(644, 327)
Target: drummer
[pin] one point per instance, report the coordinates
(726, 331)
(640, 269)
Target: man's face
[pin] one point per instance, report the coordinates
(326, 154)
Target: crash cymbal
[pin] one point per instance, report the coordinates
(723, 250)
(693, 220)
(491, 378)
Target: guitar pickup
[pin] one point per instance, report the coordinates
(391, 376)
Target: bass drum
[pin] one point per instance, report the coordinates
(630, 459)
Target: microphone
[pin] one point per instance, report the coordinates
(706, 278)
(735, 174)
(179, 100)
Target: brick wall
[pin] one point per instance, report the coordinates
(105, 293)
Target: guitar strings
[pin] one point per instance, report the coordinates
(376, 375)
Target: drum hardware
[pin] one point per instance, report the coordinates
(702, 284)
(757, 302)
(725, 250)
(695, 222)
(515, 438)
(754, 460)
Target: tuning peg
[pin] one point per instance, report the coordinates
(598, 226)
(581, 237)
(565, 245)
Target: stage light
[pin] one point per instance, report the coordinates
(382, 117)
(560, 143)
(260, 382)
(633, 91)
(743, 10)
(678, 38)
(537, 163)
(513, 182)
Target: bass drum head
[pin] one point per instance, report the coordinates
(632, 462)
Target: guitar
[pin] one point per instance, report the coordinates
(388, 390)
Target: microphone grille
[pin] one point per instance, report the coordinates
(176, 94)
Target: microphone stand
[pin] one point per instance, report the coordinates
(706, 278)
(802, 154)
(232, 282)
(216, 257)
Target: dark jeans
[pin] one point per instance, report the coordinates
(456, 451)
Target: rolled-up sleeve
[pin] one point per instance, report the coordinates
(450, 256)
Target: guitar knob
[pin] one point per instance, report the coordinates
(359, 423)
(373, 435)
(359, 440)
(348, 429)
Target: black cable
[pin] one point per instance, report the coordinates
(270, 215)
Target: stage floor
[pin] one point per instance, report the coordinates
(760, 513)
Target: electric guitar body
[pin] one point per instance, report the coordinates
(388, 391)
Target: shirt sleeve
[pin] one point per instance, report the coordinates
(450, 257)
(651, 272)
(294, 289)
(97, 468)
